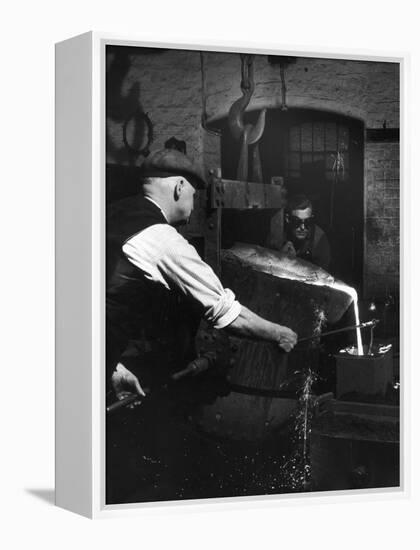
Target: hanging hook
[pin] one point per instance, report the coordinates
(248, 134)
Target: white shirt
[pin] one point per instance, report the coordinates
(168, 259)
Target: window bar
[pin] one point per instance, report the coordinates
(300, 150)
(312, 144)
(324, 126)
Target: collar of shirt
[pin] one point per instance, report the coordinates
(156, 204)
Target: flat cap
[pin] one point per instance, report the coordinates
(165, 163)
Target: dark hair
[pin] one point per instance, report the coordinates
(298, 202)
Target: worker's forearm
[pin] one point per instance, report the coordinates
(250, 325)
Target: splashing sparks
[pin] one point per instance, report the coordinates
(297, 469)
(320, 321)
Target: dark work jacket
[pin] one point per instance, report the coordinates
(315, 249)
(134, 304)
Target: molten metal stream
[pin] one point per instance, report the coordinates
(353, 293)
(358, 331)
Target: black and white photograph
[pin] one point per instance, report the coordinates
(252, 274)
(210, 268)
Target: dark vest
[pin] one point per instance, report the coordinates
(134, 304)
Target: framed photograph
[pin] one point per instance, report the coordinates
(228, 274)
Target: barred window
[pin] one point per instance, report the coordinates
(323, 143)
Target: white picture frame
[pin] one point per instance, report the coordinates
(80, 287)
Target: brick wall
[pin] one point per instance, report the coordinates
(167, 84)
(364, 90)
(382, 219)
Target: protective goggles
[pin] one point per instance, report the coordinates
(297, 223)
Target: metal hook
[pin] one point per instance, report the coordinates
(248, 134)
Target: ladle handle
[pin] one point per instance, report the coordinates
(371, 324)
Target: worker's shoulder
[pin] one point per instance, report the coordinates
(163, 231)
(161, 237)
(156, 243)
(319, 233)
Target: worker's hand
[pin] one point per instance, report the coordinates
(289, 249)
(286, 338)
(125, 383)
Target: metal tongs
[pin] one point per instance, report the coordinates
(368, 324)
(197, 366)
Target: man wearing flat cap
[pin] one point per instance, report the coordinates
(150, 265)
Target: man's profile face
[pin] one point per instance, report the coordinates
(301, 222)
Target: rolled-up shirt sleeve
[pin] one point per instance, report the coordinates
(167, 258)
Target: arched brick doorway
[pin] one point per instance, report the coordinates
(302, 145)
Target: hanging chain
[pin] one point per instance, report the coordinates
(204, 115)
(283, 88)
(247, 72)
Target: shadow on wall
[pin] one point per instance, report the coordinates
(121, 108)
